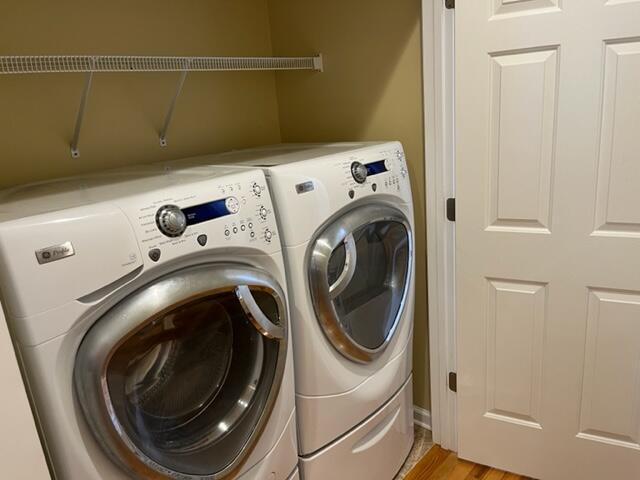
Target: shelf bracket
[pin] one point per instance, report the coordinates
(318, 63)
(75, 153)
(172, 106)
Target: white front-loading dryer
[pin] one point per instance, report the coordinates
(149, 312)
(346, 221)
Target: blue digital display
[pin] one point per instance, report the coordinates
(206, 211)
(375, 168)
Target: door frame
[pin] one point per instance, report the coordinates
(438, 86)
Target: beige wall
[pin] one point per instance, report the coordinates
(371, 90)
(217, 111)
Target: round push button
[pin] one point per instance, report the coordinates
(202, 240)
(154, 254)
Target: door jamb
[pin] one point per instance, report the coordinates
(438, 84)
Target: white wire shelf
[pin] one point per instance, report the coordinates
(91, 64)
(120, 63)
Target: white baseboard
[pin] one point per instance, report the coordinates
(422, 417)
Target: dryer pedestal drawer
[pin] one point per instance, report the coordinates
(375, 449)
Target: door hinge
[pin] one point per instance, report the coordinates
(451, 209)
(450, 4)
(453, 381)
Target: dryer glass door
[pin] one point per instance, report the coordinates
(359, 277)
(190, 369)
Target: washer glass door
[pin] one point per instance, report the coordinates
(359, 276)
(187, 371)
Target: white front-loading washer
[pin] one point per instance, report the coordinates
(346, 220)
(149, 313)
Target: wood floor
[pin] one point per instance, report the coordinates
(440, 464)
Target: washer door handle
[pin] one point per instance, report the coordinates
(259, 320)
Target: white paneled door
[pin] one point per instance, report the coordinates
(548, 236)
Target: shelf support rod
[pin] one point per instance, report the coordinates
(75, 153)
(172, 106)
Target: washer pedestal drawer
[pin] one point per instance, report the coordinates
(376, 449)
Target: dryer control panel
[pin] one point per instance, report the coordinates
(202, 210)
(313, 190)
(376, 171)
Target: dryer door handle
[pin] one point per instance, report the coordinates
(257, 317)
(349, 268)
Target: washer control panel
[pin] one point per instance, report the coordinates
(205, 211)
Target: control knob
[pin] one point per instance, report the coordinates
(171, 220)
(263, 213)
(359, 172)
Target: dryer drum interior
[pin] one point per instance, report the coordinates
(185, 371)
(359, 276)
